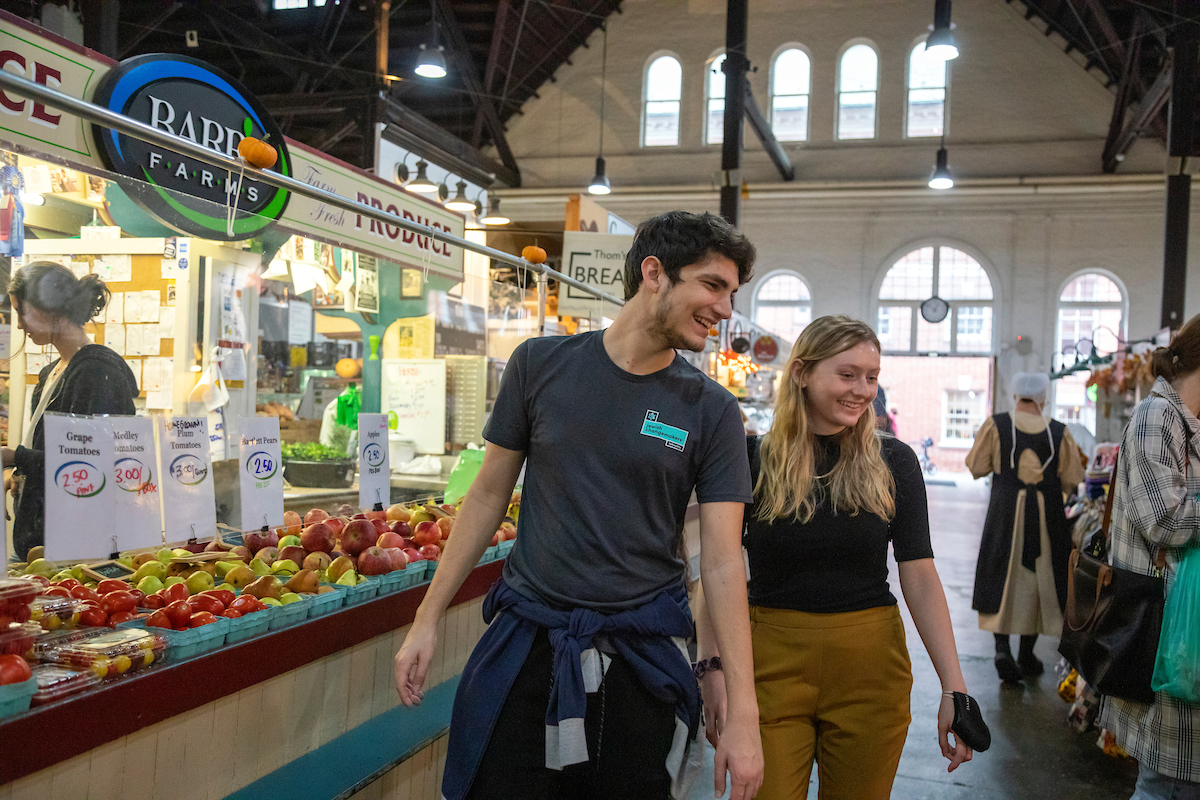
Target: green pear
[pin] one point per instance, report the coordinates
(126, 559)
(40, 566)
(285, 567)
(260, 567)
(290, 597)
(264, 587)
(65, 573)
(155, 568)
(77, 572)
(171, 580)
(228, 587)
(338, 567)
(239, 577)
(223, 567)
(199, 582)
(289, 541)
(179, 551)
(165, 555)
(348, 579)
(149, 584)
(270, 601)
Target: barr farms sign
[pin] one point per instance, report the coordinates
(192, 100)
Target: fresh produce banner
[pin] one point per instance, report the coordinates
(187, 484)
(80, 524)
(261, 473)
(374, 473)
(136, 482)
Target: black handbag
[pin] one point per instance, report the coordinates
(1113, 617)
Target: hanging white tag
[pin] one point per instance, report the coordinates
(374, 473)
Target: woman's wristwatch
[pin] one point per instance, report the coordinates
(706, 665)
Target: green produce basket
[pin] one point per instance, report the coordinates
(392, 581)
(416, 571)
(490, 554)
(327, 603)
(248, 626)
(367, 590)
(192, 642)
(16, 697)
(504, 547)
(286, 616)
(430, 568)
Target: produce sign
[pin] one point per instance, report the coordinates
(260, 475)
(80, 500)
(135, 483)
(192, 100)
(187, 486)
(374, 473)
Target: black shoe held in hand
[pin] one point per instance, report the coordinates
(968, 723)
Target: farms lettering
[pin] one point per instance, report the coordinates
(206, 133)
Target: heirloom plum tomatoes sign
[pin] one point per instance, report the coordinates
(192, 100)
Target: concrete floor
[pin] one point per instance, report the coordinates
(1033, 754)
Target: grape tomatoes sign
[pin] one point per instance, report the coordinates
(80, 501)
(79, 479)
(192, 100)
(261, 481)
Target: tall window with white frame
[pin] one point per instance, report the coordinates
(1091, 316)
(714, 101)
(660, 116)
(963, 411)
(858, 82)
(926, 94)
(791, 82)
(960, 280)
(783, 305)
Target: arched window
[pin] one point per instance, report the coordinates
(791, 81)
(926, 94)
(660, 120)
(858, 80)
(714, 101)
(783, 305)
(960, 281)
(1091, 316)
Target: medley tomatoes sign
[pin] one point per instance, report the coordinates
(192, 100)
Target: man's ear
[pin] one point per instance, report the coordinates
(653, 273)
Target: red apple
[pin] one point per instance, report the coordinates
(381, 514)
(318, 537)
(268, 554)
(358, 535)
(293, 523)
(496, 539)
(446, 524)
(408, 542)
(336, 553)
(217, 545)
(431, 552)
(413, 554)
(294, 553)
(243, 552)
(381, 527)
(427, 532)
(359, 516)
(449, 509)
(346, 510)
(402, 528)
(337, 524)
(315, 515)
(257, 540)
(399, 559)
(389, 539)
(374, 561)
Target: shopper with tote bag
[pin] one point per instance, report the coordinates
(1155, 518)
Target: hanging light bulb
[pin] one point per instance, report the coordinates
(599, 183)
(460, 202)
(941, 44)
(431, 63)
(421, 183)
(941, 177)
(493, 216)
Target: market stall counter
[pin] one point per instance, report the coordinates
(306, 711)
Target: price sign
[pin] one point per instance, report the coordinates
(261, 474)
(136, 480)
(79, 519)
(187, 483)
(374, 473)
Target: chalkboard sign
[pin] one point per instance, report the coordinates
(109, 569)
(415, 389)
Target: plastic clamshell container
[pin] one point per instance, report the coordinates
(247, 626)
(286, 616)
(108, 653)
(326, 602)
(55, 682)
(16, 597)
(18, 639)
(54, 613)
(16, 697)
(185, 644)
(366, 590)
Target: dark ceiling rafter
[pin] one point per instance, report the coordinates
(489, 72)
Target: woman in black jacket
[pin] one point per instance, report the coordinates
(52, 308)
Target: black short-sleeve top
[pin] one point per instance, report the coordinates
(836, 561)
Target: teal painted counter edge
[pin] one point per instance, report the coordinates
(356, 757)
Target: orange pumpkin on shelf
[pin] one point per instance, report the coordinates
(257, 152)
(534, 254)
(347, 368)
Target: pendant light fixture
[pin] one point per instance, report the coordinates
(941, 178)
(941, 44)
(493, 215)
(421, 184)
(599, 183)
(431, 63)
(460, 202)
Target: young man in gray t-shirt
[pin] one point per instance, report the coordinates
(616, 431)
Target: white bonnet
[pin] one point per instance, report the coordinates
(1030, 386)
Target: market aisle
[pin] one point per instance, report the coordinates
(1034, 754)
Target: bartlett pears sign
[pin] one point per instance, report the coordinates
(195, 101)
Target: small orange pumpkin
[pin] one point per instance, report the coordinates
(534, 254)
(347, 368)
(257, 152)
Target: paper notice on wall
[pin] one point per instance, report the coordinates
(415, 337)
(187, 483)
(115, 339)
(146, 338)
(170, 269)
(374, 475)
(166, 318)
(34, 363)
(233, 364)
(233, 322)
(260, 472)
(135, 366)
(80, 268)
(79, 521)
(300, 322)
(115, 310)
(120, 267)
(137, 481)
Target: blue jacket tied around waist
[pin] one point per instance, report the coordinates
(644, 637)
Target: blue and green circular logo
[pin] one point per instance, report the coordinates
(262, 466)
(193, 100)
(188, 470)
(80, 479)
(132, 474)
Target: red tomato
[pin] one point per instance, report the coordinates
(232, 613)
(176, 591)
(179, 612)
(139, 597)
(119, 617)
(246, 603)
(93, 617)
(82, 592)
(158, 619)
(111, 585)
(201, 618)
(206, 602)
(57, 591)
(14, 669)
(153, 601)
(224, 595)
(118, 601)
(68, 583)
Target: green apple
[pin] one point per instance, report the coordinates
(154, 568)
(126, 559)
(260, 567)
(223, 567)
(228, 587)
(271, 601)
(290, 597)
(149, 584)
(288, 541)
(199, 582)
(77, 572)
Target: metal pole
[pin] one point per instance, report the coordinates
(140, 130)
(542, 304)
(736, 66)
(1181, 127)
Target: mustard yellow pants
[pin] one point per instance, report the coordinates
(834, 688)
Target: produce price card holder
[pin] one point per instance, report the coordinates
(260, 473)
(79, 521)
(374, 472)
(109, 569)
(187, 484)
(135, 483)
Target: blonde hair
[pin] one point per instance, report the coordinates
(787, 482)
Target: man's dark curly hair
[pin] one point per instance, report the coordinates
(680, 238)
